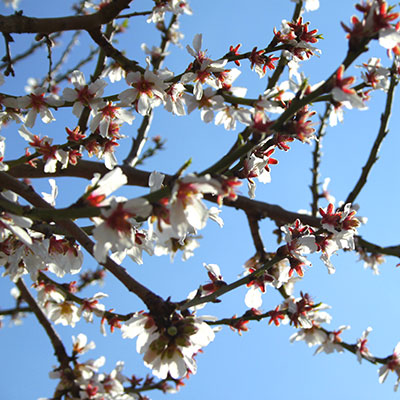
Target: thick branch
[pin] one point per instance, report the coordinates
(155, 304)
(20, 24)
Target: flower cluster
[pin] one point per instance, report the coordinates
(169, 350)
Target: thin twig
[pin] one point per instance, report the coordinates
(58, 345)
(383, 131)
(228, 288)
(316, 161)
(272, 80)
(255, 234)
(139, 142)
(7, 58)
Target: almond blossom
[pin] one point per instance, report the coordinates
(80, 344)
(116, 229)
(342, 93)
(39, 104)
(64, 313)
(169, 350)
(342, 224)
(208, 102)
(202, 69)
(101, 187)
(362, 350)
(91, 306)
(375, 75)
(393, 364)
(84, 95)
(147, 92)
(332, 342)
(51, 153)
(103, 117)
(187, 211)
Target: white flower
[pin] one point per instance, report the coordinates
(332, 342)
(92, 306)
(170, 349)
(175, 100)
(147, 92)
(187, 210)
(39, 104)
(51, 197)
(116, 230)
(208, 102)
(65, 313)
(63, 256)
(375, 75)
(103, 117)
(84, 95)
(80, 344)
(101, 187)
(362, 350)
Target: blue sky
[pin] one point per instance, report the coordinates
(261, 363)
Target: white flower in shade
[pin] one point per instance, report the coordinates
(175, 100)
(89, 368)
(257, 285)
(65, 313)
(51, 197)
(51, 153)
(114, 72)
(169, 350)
(63, 256)
(155, 181)
(116, 230)
(84, 95)
(48, 292)
(228, 116)
(147, 92)
(187, 210)
(13, 224)
(166, 243)
(37, 103)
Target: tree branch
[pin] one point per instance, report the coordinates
(383, 131)
(20, 24)
(58, 345)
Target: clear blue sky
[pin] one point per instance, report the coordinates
(262, 363)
